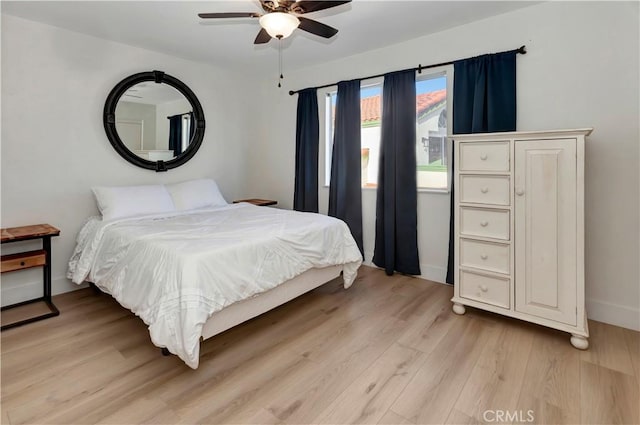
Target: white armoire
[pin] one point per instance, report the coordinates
(519, 227)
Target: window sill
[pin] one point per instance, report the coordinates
(438, 191)
(420, 190)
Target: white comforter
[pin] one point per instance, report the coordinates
(175, 271)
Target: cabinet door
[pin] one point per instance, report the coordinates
(545, 229)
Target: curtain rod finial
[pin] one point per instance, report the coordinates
(522, 50)
(291, 92)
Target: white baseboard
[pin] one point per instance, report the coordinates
(433, 273)
(614, 314)
(429, 272)
(368, 259)
(28, 290)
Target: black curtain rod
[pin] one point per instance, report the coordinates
(522, 50)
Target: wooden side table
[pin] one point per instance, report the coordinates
(258, 202)
(27, 260)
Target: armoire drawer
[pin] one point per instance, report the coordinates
(484, 156)
(493, 190)
(486, 289)
(495, 257)
(488, 223)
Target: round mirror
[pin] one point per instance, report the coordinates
(154, 120)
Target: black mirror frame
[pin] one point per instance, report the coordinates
(109, 120)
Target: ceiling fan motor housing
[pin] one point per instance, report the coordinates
(281, 18)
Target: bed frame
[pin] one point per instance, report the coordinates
(251, 307)
(248, 309)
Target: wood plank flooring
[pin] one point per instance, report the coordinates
(388, 350)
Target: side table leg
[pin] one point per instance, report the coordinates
(46, 270)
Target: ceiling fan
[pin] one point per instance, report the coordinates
(281, 17)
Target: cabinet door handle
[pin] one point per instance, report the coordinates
(484, 156)
(519, 192)
(484, 256)
(483, 288)
(484, 190)
(484, 223)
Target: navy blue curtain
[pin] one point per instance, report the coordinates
(345, 190)
(175, 134)
(484, 100)
(396, 246)
(305, 195)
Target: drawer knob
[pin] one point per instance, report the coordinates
(483, 288)
(22, 263)
(484, 223)
(484, 190)
(484, 256)
(519, 192)
(484, 157)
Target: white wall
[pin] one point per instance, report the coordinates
(54, 148)
(581, 71)
(138, 112)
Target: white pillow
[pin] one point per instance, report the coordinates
(128, 201)
(194, 194)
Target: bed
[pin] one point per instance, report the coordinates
(190, 275)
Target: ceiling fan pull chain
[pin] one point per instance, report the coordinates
(280, 61)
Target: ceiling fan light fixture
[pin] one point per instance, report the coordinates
(279, 24)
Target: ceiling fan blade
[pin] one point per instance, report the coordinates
(263, 37)
(229, 15)
(314, 6)
(317, 28)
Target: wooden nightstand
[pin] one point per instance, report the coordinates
(27, 260)
(258, 202)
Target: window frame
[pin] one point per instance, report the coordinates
(326, 130)
(186, 131)
(328, 127)
(446, 70)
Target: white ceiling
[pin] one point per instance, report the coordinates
(152, 94)
(174, 28)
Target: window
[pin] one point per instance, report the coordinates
(431, 131)
(186, 132)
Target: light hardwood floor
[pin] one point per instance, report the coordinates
(388, 350)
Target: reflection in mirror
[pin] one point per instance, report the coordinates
(154, 121)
